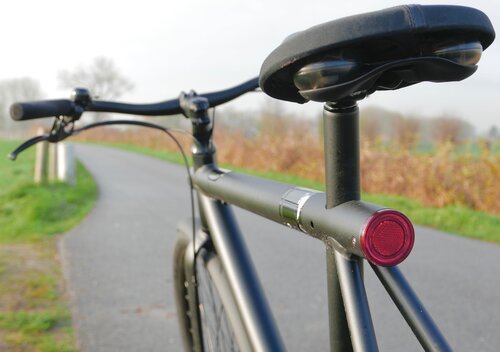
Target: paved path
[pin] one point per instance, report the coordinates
(118, 263)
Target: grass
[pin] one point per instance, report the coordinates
(30, 212)
(454, 219)
(28, 322)
(33, 312)
(34, 315)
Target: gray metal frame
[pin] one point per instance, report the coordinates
(247, 292)
(334, 217)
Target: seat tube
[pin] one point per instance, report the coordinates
(342, 173)
(342, 178)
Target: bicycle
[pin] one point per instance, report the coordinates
(219, 299)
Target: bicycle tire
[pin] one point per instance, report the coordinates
(208, 316)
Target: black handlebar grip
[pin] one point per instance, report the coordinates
(43, 108)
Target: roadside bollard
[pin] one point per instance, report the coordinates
(66, 166)
(41, 159)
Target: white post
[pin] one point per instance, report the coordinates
(52, 162)
(66, 167)
(41, 159)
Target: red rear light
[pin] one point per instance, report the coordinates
(387, 238)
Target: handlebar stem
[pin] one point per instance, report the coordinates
(195, 108)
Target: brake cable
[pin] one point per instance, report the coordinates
(64, 127)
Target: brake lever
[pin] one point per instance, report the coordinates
(30, 142)
(62, 128)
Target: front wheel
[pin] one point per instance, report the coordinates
(208, 316)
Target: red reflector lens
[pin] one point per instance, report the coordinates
(387, 238)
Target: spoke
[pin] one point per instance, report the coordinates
(218, 334)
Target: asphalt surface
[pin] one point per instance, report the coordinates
(118, 266)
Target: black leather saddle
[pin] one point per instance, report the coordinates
(352, 57)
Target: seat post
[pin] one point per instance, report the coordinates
(341, 143)
(342, 181)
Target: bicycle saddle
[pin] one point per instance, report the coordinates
(352, 57)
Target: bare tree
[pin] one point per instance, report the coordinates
(369, 131)
(406, 132)
(15, 90)
(372, 124)
(102, 78)
(451, 129)
(493, 134)
(491, 139)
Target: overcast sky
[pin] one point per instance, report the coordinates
(168, 46)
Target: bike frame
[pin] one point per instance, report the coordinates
(335, 217)
(315, 213)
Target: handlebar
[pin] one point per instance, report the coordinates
(42, 108)
(66, 107)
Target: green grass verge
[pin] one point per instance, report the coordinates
(33, 312)
(29, 322)
(29, 211)
(455, 219)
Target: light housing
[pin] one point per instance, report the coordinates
(387, 238)
(461, 53)
(325, 73)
